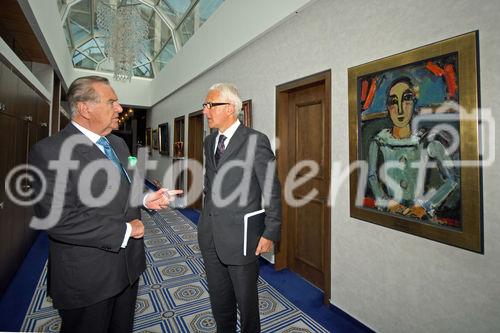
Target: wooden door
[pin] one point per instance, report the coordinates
(8, 92)
(14, 219)
(26, 136)
(42, 123)
(7, 209)
(195, 152)
(303, 123)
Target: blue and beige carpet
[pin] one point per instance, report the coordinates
(173, 295)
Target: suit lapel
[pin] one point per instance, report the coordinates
(237, 140)
(88, 151)
(91, 152)
(211, 149)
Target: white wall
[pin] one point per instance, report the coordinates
(44, 73)
(389, 280)
(50, 34)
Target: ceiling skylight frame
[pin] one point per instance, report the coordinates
(174, 39)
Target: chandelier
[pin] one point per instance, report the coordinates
(125, 35)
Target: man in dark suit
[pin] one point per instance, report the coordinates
(96, 246)
(239, 176)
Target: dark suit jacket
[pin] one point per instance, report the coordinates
(224, 225)
(86, 262)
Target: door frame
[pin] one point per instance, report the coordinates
(282, 92)
(190, 143)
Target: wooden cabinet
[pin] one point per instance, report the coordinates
(8, 87)
(24, 120)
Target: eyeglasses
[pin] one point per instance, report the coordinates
(210, 105)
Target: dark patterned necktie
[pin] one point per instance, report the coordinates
(110, 154)
(220, 149)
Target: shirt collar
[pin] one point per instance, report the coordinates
(88, 133)
(229, 132)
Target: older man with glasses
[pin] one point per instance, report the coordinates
(238, 159)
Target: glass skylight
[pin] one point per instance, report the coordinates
(171, 24)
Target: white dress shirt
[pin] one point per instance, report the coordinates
(94, 137)
(228, 133)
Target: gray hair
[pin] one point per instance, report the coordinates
(81, 90)
(229, 92)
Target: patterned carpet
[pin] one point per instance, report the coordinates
(173, 294)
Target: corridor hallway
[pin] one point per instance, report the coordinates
(173, 293)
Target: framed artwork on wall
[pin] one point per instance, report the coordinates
(149, 139)
(155, 139)
(163, 139)
(413, 142)
(179, 137)
(245, 116)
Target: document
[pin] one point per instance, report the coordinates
(248, 218)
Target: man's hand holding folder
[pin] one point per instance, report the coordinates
(265, 245)
(256, 220)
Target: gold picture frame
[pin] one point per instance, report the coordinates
(155, 139)
(245, 116)
(149, 140)
(418, 110)
(163, 139)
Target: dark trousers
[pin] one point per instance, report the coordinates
(115, 314)
(232, 286)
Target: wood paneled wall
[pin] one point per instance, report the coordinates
(24, 119)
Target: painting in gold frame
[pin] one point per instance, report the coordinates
(413, 121)
(149, 139)
(245, 116)
(155, 139)
(163, 139)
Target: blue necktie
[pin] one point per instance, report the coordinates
(110, 154)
